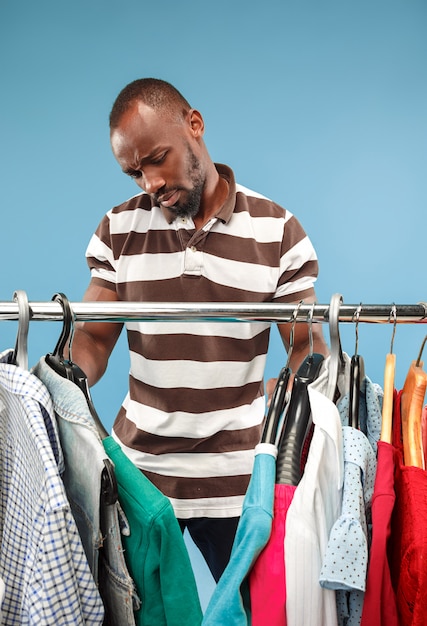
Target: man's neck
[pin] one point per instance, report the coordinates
(212, 202)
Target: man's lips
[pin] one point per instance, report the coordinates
(169, 199)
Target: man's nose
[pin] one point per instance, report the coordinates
(152, 182)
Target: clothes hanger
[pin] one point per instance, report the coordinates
(20, 353)
(278, 400)
(337, 363)
(276, 408)
(65, 367)
(297, 421)
(412, 401)
(357, 374)
(71, 371)
(389, 374)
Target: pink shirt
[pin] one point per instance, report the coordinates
(267, 582)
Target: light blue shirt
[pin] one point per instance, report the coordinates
(345, 563)
(100, 523)
(229, 603)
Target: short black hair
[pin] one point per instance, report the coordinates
(156, 93)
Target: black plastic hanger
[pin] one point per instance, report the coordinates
(278, 400)
(357, 374)
(276, 408)
(20, 354)
(69, 370)
(298, 419)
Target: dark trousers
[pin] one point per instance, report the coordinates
(214, 537)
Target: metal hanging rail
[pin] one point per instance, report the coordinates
(221, 312)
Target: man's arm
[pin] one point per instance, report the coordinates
(93, 342)
(301, 343)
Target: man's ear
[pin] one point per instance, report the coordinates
(197, 124)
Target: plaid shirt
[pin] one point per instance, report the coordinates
(42, 562)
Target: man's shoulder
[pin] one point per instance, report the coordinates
(139, 201)
(251, 193)
(257, 204)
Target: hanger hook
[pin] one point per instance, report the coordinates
(291, 335)
(393, 316)
(20, 354)
(310, 328)
(334, 319)
(67, 326)
(417, 364)
(356, 317)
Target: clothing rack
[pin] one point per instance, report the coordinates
(222, 312)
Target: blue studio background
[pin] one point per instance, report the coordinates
(320, 105)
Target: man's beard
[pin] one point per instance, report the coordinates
(190, 204)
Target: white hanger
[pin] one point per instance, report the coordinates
(20, 354)
(337, 359)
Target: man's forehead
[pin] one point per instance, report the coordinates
(137, 114)
(141, 113)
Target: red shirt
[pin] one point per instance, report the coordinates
(409, 535)
(379, 605)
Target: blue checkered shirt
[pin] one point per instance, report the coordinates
(42, 562)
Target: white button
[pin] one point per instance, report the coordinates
(193, 261)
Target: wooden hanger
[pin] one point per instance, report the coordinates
(412, 402)
(389, 374)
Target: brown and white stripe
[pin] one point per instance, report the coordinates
(195, 405)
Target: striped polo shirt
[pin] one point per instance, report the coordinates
(194, 410)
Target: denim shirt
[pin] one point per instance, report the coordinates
(100, 524)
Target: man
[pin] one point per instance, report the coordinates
(195, 405)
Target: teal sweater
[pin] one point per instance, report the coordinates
(155, 551)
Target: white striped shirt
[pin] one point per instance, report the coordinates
(195, 405)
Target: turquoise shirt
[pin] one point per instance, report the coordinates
(230, 601)
(155, 551)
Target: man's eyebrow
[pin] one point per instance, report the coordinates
(129, 170)
(146, 159)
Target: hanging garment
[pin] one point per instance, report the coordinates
(85, 478)
(315, 507)
(346, 558)
(424, 431)
(155, 551)
(42, 562)
(345, 562)
(408, 534)
(229, 603)
(379, 604)
(267, 580)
